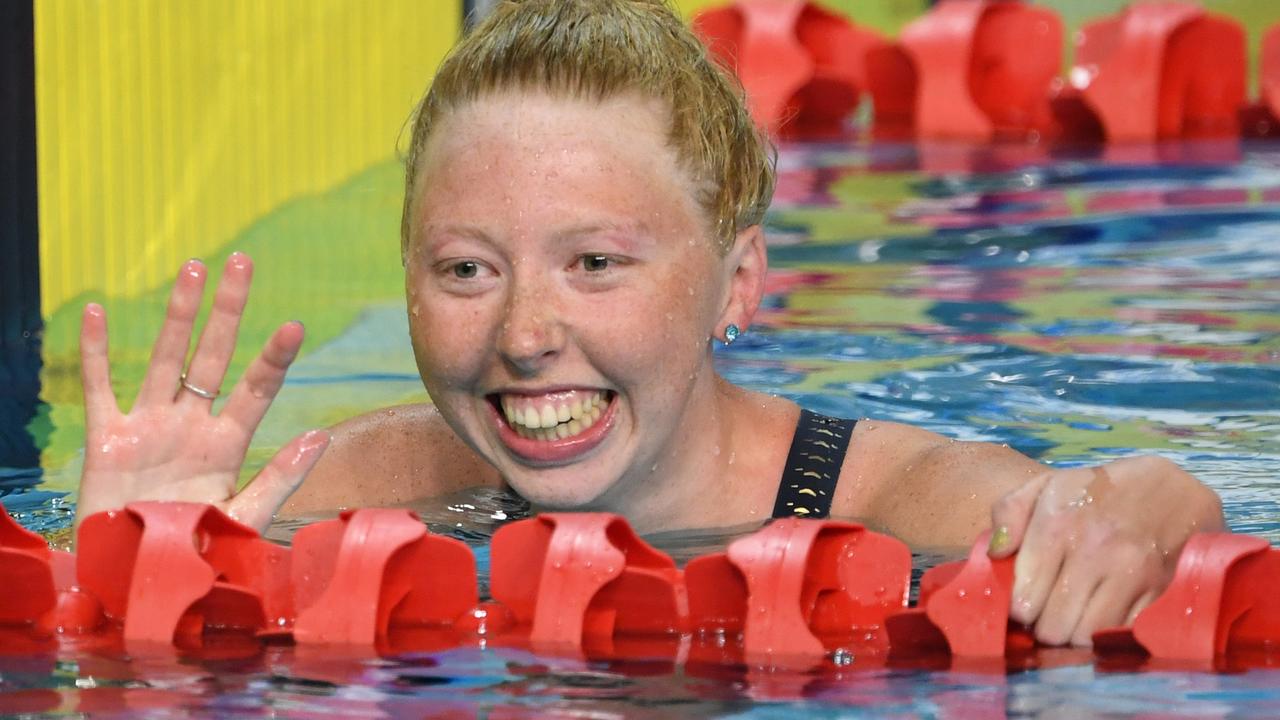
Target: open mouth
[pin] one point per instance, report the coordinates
(553, 426)
(556, 416)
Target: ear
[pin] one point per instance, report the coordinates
(748, 261)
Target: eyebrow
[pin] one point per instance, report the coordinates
(469, 231)
(638, 230)
(627, 232)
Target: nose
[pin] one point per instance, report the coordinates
(532, 334)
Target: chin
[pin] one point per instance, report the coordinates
(559, 494)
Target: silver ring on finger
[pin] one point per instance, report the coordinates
(196, 389)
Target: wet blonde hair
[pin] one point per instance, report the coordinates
(599, 49)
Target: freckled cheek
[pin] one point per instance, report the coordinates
(645, 337)
(450, 342)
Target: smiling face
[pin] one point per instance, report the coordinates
(563, 285)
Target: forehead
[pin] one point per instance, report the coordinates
(520, 120)
(533, 149)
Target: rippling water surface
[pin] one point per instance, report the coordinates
(1078, 309)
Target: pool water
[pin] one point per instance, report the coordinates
(1078, 308)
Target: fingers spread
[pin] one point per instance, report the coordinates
(259, 501)
(170, 351)
(254, 393)
(95, 369)
(218, 339)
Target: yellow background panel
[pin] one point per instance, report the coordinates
(165, 127)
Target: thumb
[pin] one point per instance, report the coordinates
(1010, 516)
(258, 502)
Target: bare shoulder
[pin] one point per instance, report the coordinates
(923, 487)
(880, 452)
(390, 456)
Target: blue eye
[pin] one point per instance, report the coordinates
(595, 263)
(466, 270)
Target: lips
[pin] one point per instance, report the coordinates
(553, 427)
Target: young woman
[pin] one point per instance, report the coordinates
(584, 193)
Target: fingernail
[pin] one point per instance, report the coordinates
(999, 540)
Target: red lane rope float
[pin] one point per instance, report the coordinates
(175, 569)
(25, 562)
(794, 592)
(1262, 119)
(963, 609)
(989, 69)
(1162, 70)
(567, 576)
(357, 576)
(973, 70)
(798, 589)
(803, 67)
(1270, 70)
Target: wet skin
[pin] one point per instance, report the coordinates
(556, 255)
(556, 247)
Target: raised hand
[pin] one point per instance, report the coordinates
(170, 446)
(1097, 545)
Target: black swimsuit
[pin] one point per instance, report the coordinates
(813, 466)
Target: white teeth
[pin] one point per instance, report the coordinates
(552, 422)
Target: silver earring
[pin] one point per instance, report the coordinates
(731, 333)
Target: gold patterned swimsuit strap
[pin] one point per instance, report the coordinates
(813, 466)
